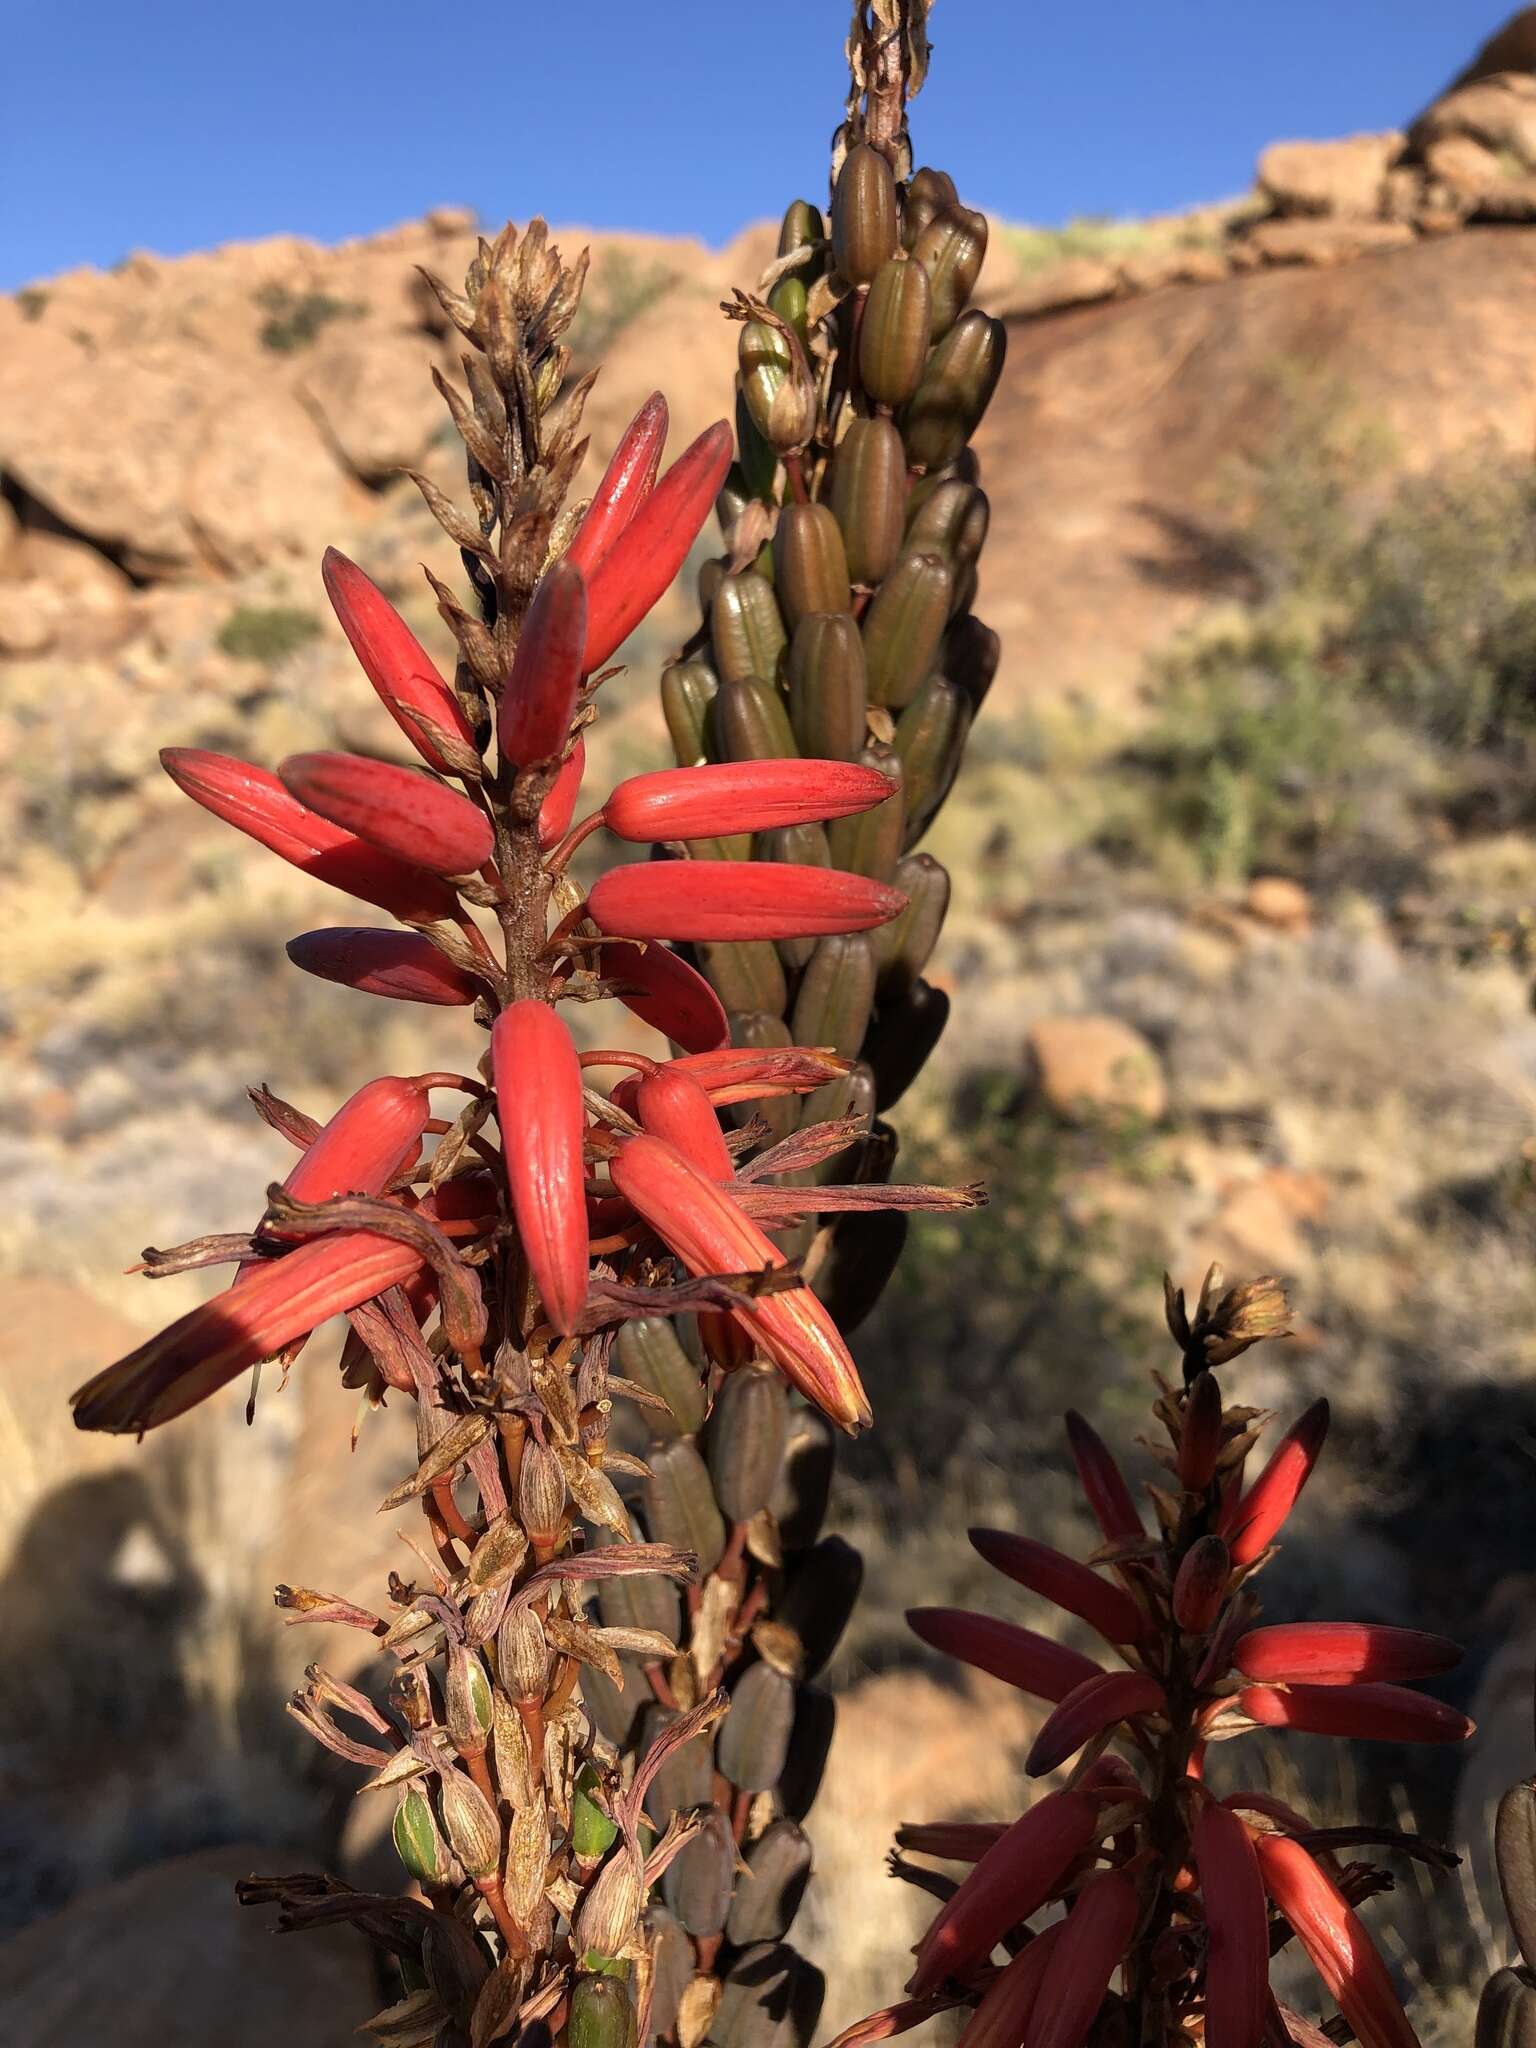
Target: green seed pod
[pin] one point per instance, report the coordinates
(697, 1886)
(869, 496)
(1506, 2012)
(748, 721)
(748, 1428)
(967, 583)
(863, 214)
(710, 575)
(686, 1779)
(895, 331)
(957, 387)
(745, 627)
(647, 1351)
(854, 1258)
(827, 693)
(810, 1741)
(806, 846)
(680, 1504)
(788, 300)
(930, 743)
(733, 499)
(950, 521)
(746, 974)
(1514, 1849)
(809, 566)
(904, 947)
(771, 1998)
(687, 691)
(869, 842)
(780, 400)
(819, 1599)
(672, 1969)
(417, 1842)
(836, 994)
(800, 1498)
(970, 656)
(768, 1895)
(928, 193)
(593, 1832)
(764, 1031)
(602, 2014)
(903, 628)
(901, 1039)
(615, 1713)
(754, 1736)
(757, 462)
(802, 227)
(951, 249)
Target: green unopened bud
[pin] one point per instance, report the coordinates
(748, 977)
(680, 1505)
(805, 846)
(827, 700)
(836, 994)
(648, 1352)
(904, 627)
(970, 657)
(868, 497)
(930, 742)
(757, 462)
(869, 842)
(417, 1842)
(746, 628)
(1506, 2012)
(602, 2014)
(776, 386)
(864, 221)
(810, 567)
(470, 1823)
(768, 1895)
(754, 1736)
(686, 1780)
(671, 1969)
(641, 1599)
(951, 248)
(748, 720)
(593, 1829)
(802, 226)
(765, 1030)
(950, 520)
(1514, 1848)
(956, 389)
(894, 331)
(788, 300)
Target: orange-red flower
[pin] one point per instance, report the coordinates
(1337, 1945)
(538, 700)
(410, 815)
(740, 796)
(395, 662)
(627, 483)
(1237, 1929)
(636, 565)
(737, 899)
(402, 965)
(543, 1127)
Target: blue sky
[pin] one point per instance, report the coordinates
(177, 124)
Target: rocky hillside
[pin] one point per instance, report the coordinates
(1242, 934)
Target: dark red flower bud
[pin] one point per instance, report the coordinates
(1102, 1482)
(410, 815)
(379, 963)
(256, 803)
(1342, 1653)
(637, 567)
(627, 483)
(1237, 1930)
(1016, 1655)
(737, 899)
(668, 994)
(1254, 1521)
(740, 796)
(394, 661)
(1368, 1713)
(1200, 1585)
(1200, 1436)
(1100, 1702)
(543, 1122)
(1002, 2018)
(1093, 1943)
(1070, 1585)
(538, 702)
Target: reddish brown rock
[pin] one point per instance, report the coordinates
(1092, 1067)
(1342, 178)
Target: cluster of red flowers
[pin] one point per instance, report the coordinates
(578, 1176)
(1184, 1893)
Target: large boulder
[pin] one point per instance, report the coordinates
(1498, 112)
(1344, 177)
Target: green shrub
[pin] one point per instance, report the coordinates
(266, 633)
(294, 319)
(620, 290)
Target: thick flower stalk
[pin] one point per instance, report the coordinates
(1132, 1902)
(511, 1246)
(836, 626)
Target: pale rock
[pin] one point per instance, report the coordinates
(1463, 166)
(1278, 901)
(1089, 1067)
(1152, 269)
(1499, 112)
(1076, 281)
(1342, 178)
(95, 600)
(371, 390)
(1323, 243)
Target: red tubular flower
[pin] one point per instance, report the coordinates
(559, 807)
(1013, 1880)
(364, 1145)
(1370, 1713)
(671, 1105)
(408, 814)
(636, 568)
(543, 1128)
(1016, 1655)
(1252, 1522)
(1062, 1580)
(1003, 2017)
(740, 796)
(1342, 1653)
(960, 1841)
(668, 994)
(737, 899)
(256, 803)
(397, 964)
(1100, 1702)
(1337, 1945)
(285, 1299)
(1237, 1930)
(1093, 1943)
(1102, 1482)
(533, 717)
(700, 1223)
(627, 483)
(395, 662)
